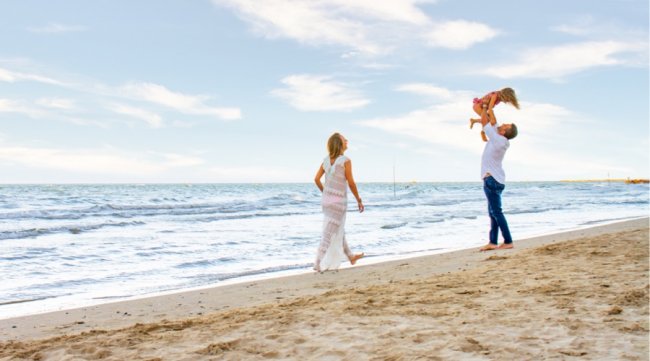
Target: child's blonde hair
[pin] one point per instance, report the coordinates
(508, 95)
(335, 145)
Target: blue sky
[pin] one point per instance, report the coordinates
(249, 91)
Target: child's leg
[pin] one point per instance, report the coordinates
(473, 121)
(478, 109)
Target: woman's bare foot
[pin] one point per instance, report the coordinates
(506, 246)
(355, 258)
(489, 247)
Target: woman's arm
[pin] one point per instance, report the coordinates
(319, 175)
(352, 185)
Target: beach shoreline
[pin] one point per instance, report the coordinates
(263, 276)
(79, 250)
(270, 292)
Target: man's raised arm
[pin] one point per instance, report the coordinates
(488, 118)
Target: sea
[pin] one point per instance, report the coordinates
(66, 246)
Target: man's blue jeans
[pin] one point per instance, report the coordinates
(498, 221)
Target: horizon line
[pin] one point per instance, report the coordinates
(614, 180)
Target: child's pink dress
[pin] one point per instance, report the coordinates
(333, 247)
(487, 97)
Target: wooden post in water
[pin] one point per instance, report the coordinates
(394, 191)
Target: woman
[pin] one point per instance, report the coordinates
(337, 169)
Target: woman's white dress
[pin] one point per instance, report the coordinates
(333, 248)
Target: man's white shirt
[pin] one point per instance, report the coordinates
(493, 153)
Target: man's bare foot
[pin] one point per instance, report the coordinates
(489, 247)
(506, 246)
(355, 258)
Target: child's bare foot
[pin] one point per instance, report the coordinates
(472, 122)
(355, 258)
(488, 247)
(483, 136)
(506, 246)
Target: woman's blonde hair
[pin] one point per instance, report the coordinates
(335, 145)
(508, 95)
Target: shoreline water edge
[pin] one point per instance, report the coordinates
(251, 293)
(67, 246)
(581, 293)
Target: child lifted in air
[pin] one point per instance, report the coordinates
(487, 103)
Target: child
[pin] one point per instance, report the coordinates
(506, 95)
(337, 169)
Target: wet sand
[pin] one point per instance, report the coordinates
(574, 295)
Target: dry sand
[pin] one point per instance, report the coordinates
(574, 295)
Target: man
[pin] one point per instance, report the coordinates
(494, 177)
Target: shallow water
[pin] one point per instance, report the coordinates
(72, 245)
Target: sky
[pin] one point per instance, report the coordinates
(207, 91)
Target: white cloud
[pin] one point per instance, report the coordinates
(179, 160)
(588, 26)
(378, 66)
(52, 28)
(142, 91)
(95, 161)
(12, 77)
(153, 119)
(97, 165)
(544, 149)
(541, 119)
(556, 62)
(448, 123)
(459, 34)
(432, 91)
(369, 27)
(50, 109)
(87, 121)
(14, 106)
(404, 11)
(444, 124)
(319, 93)
(57, 103)
(311, 23)
(188, 104)
(89, 161)
(583, 25)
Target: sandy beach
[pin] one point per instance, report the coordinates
(580, 294)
